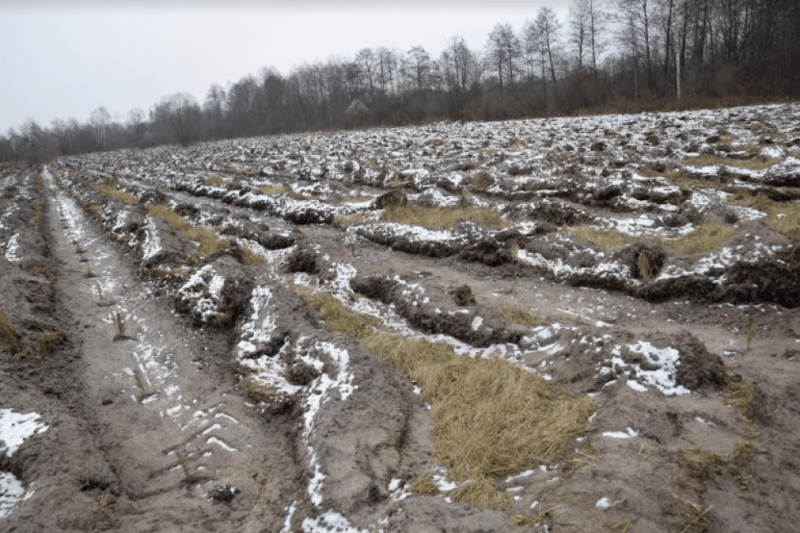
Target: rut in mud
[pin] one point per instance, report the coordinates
(183, 443)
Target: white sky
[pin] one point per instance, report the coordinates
(65, 59)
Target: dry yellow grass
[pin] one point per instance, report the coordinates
(516, 144)
(343, 222)
(48, 341)
(439, 218)
(480, 182)
(171, 217)
(518, 315)
(423, 485)
(705, 238)
(215, 181)
(783, 217)
(208, 240)
(491, 417)
(274, 189)
(208, 243)
(750, 164)
(122, 196)
(249, 257)
(9, 335)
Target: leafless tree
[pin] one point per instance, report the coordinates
(548, 27)
(137, 124)
(179, 115)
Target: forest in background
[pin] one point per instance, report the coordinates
(607, 56)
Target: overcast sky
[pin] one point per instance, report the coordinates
(65, 59)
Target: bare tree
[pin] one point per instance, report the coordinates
(548, 28)
(137, 124)
(179, 115)
(365, 58)
(638, 14)
(99, 120)
(421, 65)
(504, 52)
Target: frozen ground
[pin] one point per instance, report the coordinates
(645, 262)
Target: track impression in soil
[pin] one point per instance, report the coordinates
(181, 442)
(551, 325)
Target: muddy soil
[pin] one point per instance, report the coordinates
(208, 390)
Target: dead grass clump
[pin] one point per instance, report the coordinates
(480, 182)
(208, 243)
(782, 217)
(438, 218)
(749, 164)
(37, 220)
(274, 189)
(603, 239)
(9, 335)
(647, 268)
(481, 493)
(169, 216)
(260, 393)
(463, 296)
(48, 341)
(491, 417)
(215, 181)
(518, 315)
(424, 485)
(705, 238)
(343, 222)
(249, 257)
(122, 196)
(744, 397)
(516, 144)
(336, 315)
(700, 463)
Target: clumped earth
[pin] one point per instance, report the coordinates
(558, 325)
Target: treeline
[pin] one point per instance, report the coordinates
(606, 55)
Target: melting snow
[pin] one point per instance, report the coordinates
(16, 427)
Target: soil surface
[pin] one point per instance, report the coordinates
(190, 339)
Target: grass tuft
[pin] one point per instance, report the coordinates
(122, 196)
(249, 257)
(439, 218)
(274, 189)
(480, 182)
(783, 217)
(48, 341)
(518, 315)
(704, 239)
(343, 222)
(9, 335)
(169, 216)
(424, 484)
(208, 243)
(491, 417)
(749, 164)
